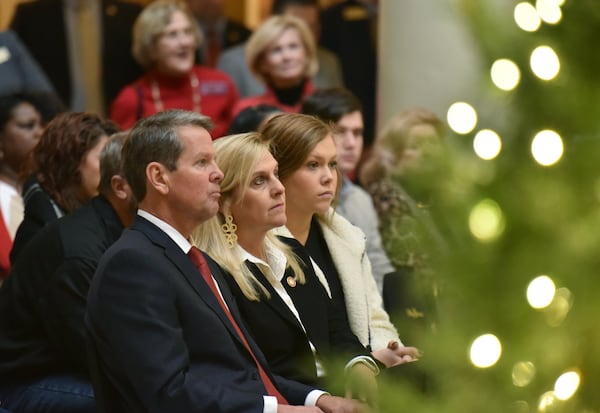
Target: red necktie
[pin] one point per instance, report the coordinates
(200, 263)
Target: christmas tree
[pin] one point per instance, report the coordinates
(518, 294)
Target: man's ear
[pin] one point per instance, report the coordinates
(119, 187)
(158, 177)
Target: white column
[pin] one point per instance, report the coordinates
(426, 57)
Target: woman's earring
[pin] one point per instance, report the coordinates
(229, 229)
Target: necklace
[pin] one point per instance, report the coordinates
(194, 83)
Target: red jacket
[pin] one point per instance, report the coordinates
(270, 98)
(218, 96)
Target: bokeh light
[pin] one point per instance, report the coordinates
(522, 373)
(544, 62)
(505, 74)
(486, 220)
(527, 17)
(487, 144)
(462, 117)
(549, 11)
(547, 401)
(485, 351)
(547, 147)
(560, 307)
(540, 292)
(566, 385)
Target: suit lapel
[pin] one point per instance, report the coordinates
(275, 302)
(187, 268)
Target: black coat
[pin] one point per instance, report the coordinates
(278, 332)
(162, 341)
(42, 301)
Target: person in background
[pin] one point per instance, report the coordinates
(43, 360)
(62, 172)
(19, 72)
(402, 176)
(252, 118)
(305, 150)
(164, 332)
(219, 31)
(20, 130)
(343, 110)
(329, 72)
(165, 39)
(276, 289)
(281, 52)
(83, 46)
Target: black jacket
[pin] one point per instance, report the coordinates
(43, 300)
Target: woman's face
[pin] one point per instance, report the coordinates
(422, 152)
(285, 60)
(175, 48)
(311, 188)
(20, 135)
(89, 168)
(263, 205)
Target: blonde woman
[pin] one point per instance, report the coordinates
(165, 39)
(275, 287)
(282, 54)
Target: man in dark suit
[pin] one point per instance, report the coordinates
(163, 324)
(48, 32)
(43, 359)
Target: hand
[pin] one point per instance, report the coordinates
(284, 408)
(361, 384)
(334, 404)
(395, 354)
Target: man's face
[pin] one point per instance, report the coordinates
(349, 140)
(193, 187)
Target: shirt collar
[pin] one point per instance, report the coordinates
(175, 235)
(276, 260)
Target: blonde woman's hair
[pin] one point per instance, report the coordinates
(237, 157)
(150, 24)
(268, 32)
(392, 140)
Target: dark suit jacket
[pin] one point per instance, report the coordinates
(41, 26)
(42, 302)
(280, 335)
(162, 341)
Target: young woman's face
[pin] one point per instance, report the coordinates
(263, 205)
(89, 168)
(20, 135)
(311, 188)
(285, 60)
(175, 48)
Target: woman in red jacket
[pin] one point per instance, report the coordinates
(282, 53)
(165, 39)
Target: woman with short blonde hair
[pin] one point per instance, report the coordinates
(281, 53)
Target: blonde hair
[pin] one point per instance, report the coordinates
(150, 24)
(268, 32)
(392, 140)
(237, 157)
